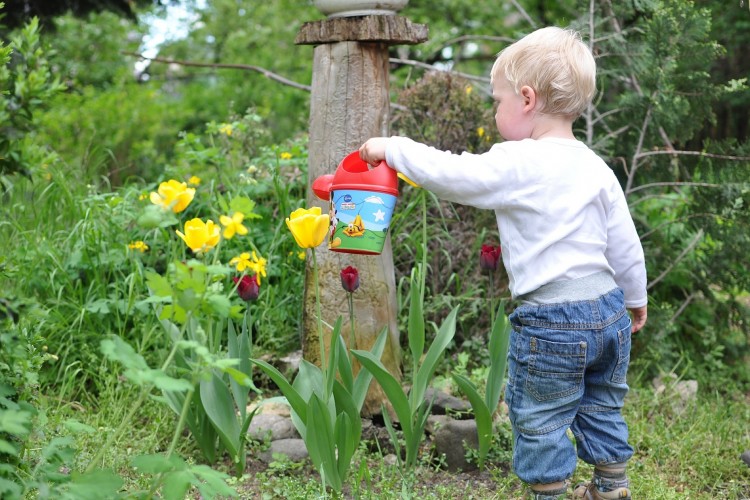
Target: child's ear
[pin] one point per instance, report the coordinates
(529, 98)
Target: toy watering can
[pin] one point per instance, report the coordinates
(361, 204)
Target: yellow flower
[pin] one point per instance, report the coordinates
(233, 225)
(226, 128)
(469, 89)
(142, 197)
(286, 156)
(138, 245)
(173, 195)
(194, 180)
(301, 255)
(308, 226)
(200, 236)
(408, 181)
(480, 131)
(256, 264)
(241, 262)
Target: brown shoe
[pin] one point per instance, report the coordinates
(588, 491)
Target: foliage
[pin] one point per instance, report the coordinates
(412, 410)
(484, 407)
(27, 84)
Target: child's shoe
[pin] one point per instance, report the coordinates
(589, 491)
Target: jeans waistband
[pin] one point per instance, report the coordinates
(586, 288)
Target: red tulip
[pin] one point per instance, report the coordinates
(248, 287)
(350, 278)
(489, 256)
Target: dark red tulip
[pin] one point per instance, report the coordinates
(248, 287)
(489, 256)
(350, 278)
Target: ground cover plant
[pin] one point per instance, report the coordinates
(145, 260)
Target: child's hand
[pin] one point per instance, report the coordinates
(373, 151)
(638, 315)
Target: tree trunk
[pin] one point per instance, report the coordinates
(350, 102)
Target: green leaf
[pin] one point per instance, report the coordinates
(15, 422)
(95, 485)
(295, 401)
(219, 406)
(158, 284)
(499, 340)
(8, 448)
(77, 427)
(390, 386)
(482, 415)
(320, 443)
(116, 349)
(158, 464)
(434, 353)
(364, 377)
(220, 304)
(176, 485)
(416, 320)
(245, 205)
(213, 483)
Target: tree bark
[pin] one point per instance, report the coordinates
(349, 104)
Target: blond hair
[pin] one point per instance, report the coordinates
(556, 64)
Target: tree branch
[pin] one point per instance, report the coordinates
(247, 67)
(677, 260)
(673, 184)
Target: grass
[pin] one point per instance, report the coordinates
(689, 452)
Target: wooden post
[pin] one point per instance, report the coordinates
(350, 103)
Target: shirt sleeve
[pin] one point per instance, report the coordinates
(625, 253)
(445, 173)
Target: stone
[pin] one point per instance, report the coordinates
(445, 404)
(271, 427)
(452, 439)
(745, 457)
(294, 449)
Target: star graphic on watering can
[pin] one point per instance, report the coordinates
(379, 215)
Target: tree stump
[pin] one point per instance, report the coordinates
(350, 103)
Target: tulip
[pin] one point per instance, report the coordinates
(248, 287)
(173, 195)
(350, 278)
(308, 226)
(200, 236)
(489, 256)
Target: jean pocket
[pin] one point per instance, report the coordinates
(620, 373)
(555, 368)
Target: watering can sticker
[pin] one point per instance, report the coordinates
(361, 204)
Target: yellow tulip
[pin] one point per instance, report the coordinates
(308, 226)
(173, 195)
(200, 236)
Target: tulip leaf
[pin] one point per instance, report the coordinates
(482, 415)
(416, 320)
(364, 377)
(390, 386)
(344, 364)
(295, 401)
(320, 442)
(218, 404)
(427, 368)
(499, 341)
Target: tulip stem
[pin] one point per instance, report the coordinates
(317, 305)
(352, 335)
(491, 296)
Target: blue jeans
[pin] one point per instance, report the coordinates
(567, 369)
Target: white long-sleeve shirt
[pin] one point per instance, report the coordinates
(560, 210)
